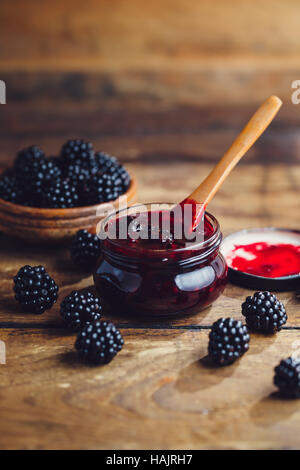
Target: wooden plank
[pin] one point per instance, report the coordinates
(153, 136)
(253, 196)
(200, 52)
(159, 383)
(228, 305)
(100, 33)
(209, 83)
(161, 119)
(160, 392)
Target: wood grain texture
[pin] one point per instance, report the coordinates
(245, 140)
(192, 52)
(208, 84)
(56, 226)
(152, 134)
(253, 196)
(67, 31)
(160, 392)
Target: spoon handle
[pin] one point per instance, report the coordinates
(251, 132)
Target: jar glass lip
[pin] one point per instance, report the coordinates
(197, 246)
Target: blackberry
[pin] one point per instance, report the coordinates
(9, 189)
(105, 161)
(101, 188)
(110, 165)
(34, 173)
(99, 342)
(79, 309)
(28, 156)
(264, 312)
(45, 174)
(57, 162)
(120, 175)
(228, 340)
(287, 377)
(77, 175)
(35, 289)
(27, 164)
(78, 152)
(60, 194)
(85, 249)
(125, 178)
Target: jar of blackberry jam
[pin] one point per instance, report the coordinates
(162, 276)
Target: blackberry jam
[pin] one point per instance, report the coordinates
(162, 276)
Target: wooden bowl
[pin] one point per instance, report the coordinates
(54, 226)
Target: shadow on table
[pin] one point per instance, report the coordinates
(203, 374)
(273, 409)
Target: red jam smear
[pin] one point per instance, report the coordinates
(268, 260)
(198, 211)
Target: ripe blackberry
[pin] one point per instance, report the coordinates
(44, 174)
(60, 194)
(287, 377)
(77, 175)
(28, 156)
(35, 289)
(78, 152)
(99, 342)
(101, 188)
(105, 161)
(34, 173)
(9, 188)
(125, 178)
(110, 165)
(264, 312)
(120, 175)
(28, 164)
(228, 340)
(85, 249)
(79, 309)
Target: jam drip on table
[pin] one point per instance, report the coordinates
(266, 259)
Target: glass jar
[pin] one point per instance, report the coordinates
(138, 280)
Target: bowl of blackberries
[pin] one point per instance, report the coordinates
(48, 199)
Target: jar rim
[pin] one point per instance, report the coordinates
(197, 246)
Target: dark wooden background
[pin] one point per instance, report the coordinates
(165, 86)
(171, 51)
(187, 71)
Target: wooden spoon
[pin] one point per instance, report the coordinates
(204, 193)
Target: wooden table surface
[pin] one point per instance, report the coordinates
(160, 392)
